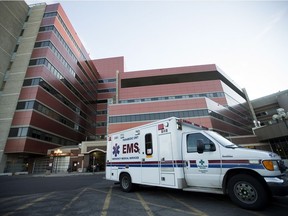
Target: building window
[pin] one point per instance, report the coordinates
(37, 134)
(101, 124)
(109, 90)
(13, 132)
(52, 28)
(50, 14)
(157, 116)
(107, 80)
(25, 105)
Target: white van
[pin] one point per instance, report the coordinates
(175, 153)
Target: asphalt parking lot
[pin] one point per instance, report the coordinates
(93, 195)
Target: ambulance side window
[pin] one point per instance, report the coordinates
(148, 144)
(192, 140)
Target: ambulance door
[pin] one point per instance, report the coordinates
(201, 169)
(167, 174)
(149, 152)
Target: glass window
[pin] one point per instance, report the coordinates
(20, 105)
(194, 139)
(29, 105)
(36, 134)
(32, 62)
(22, 132)
(148, 144)
(35, 81)
(13, 132)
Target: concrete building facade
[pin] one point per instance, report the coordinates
(272, 121)
(52, 99)
(202, 94)
(15, 52)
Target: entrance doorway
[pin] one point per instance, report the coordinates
(97, 161)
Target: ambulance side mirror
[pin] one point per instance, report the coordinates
(200, 146)
(212, 147)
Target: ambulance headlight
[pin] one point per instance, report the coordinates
(270, 165)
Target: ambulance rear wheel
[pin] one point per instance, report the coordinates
(126, 183)
(247, 192)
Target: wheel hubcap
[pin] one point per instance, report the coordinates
(125, 182)
(245, 192)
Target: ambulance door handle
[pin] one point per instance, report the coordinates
(186, 163)
(163, 159)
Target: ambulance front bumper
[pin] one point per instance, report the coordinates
(278, 185)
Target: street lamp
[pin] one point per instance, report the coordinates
(281, 115)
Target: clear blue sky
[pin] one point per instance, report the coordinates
(248, 40)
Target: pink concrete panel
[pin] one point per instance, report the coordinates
(101, 130)
(15, 145)
(101, 106)
(206, 121)
(34, 146)
(52, 7)
(45, 123)
(28, 93)
(107, 67)
(101, 118)
(22, 118)
(28, 145)
(166, 71)
(162, 106)
(223, 126)
(48, 21)
(170, 89)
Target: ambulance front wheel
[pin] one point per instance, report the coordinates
(247, 192)
(125, 182)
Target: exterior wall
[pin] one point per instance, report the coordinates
(269, 130)
(13, 16)
(266, 107)
(56, 106)
(202, 94)
(108, 69)
(17, 70)
(202, 111)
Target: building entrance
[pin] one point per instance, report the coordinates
(97, 161)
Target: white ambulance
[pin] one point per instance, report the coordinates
(175, 153)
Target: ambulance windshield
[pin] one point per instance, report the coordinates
(222, 140)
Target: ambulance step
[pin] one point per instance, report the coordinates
(204, 190)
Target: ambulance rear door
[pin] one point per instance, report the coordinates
(149, 152)
(167, 173)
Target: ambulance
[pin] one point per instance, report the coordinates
(175, 153)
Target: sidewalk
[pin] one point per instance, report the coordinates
(62, 174)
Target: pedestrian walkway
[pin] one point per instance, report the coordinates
(59, 174)
(62, 174)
